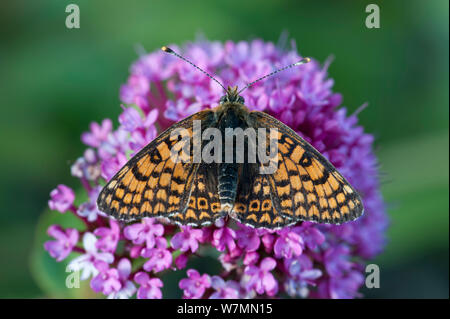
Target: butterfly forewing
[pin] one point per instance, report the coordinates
(306, 186)
(154, 182)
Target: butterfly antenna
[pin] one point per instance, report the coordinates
(302, 61)
(169, 50)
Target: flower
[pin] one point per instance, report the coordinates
(107, 281)
(341, 288)
(336, 261)
(126, 292)
(87, 168)
(224, 290)
(251, 258)
(187, 239)
(343, 276)
(302, 274)
(160, 258)
(142, 130)
(137, 85)
(86, 262)
(260, 278)
(112, 152)
(98, 133)
(288, 244)
(109, 237)
(89, 209)
(194, 286)
(311, 236)
(64, 243)
(131, 119)
(150, 287)
(247, 238)
(181, 261)
(61, 198)
(304, 260)
(144, 232)
(224, 238)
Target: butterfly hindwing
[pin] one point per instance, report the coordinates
(154, 183)
(204, 206)
(306, 186)
(253, 206)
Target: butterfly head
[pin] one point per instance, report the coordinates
(232, 96)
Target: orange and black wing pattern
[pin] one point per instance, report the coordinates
(305, 185)
(253, 206)
(203, 207)
(155, 182)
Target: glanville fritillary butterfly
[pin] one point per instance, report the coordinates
(303, 187)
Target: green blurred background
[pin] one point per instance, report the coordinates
(55, 81)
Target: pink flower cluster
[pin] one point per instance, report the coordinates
(304, 260)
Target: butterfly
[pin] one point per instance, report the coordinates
(165, 180)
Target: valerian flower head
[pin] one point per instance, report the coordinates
(304, 260)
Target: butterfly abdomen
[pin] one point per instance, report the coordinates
(227, 186)
(227, 171)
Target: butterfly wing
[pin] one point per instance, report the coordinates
(253, 205)
(154, 183)
(306, 186)
(204, 204)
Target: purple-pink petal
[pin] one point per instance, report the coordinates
(144, 232)
(61, 198)
(150, 288)
(224, 238)
(187, 239)
(195, 285)
(64, 243)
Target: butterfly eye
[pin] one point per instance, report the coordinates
(223, 99)
(241, 100)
